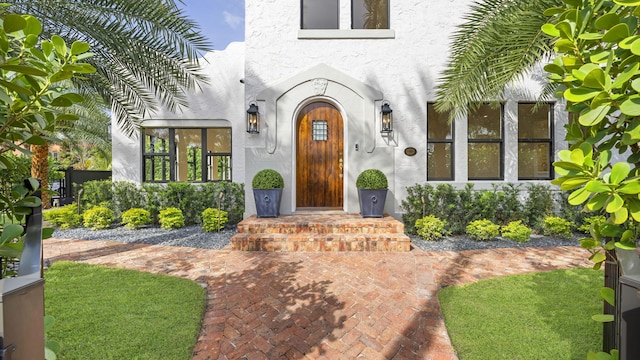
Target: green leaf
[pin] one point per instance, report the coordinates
(47, 233)
(626, 75)
(590, 36)
(620, 216)
(616, 33)
(33, 27)
(23, 69)
(596, 79)
(631, 106)
(61, 101)
(79, 47)
(603, 318)
(579, 196)
(634, 208)
(630, 187)
(616, 202)
(591, 117)
(597, 187)
(580, 94)
(619, 172)
(13, 23)
(635, 47)
(631, 134)
(608, 295)
(550, 30)
(565, 30)
(554, 69)
(597, 202)
(598, 257)
(574, 182)
(607, 21)
(59, 45)
(627, 2)
(10, 232)
(588, 243)
(626, 43)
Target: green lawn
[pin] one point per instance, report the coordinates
(106, 313)
(535, 316)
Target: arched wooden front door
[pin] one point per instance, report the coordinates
(319, 157)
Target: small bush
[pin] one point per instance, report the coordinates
(214, 220)
(171, 218)
(556, 226)
(267, 179)
(596, 221)
(64, 217)
(516, 231)
(372, 179)
(136, 217)
(98, 217)
(483, 230)
(431, 228)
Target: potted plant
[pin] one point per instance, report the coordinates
(372, 192)
(267, 191)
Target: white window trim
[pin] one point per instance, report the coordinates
(346, 34)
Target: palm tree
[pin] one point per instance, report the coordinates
(145, 52)
(499, 41)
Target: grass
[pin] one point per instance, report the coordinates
(107, 313)
(544, 315)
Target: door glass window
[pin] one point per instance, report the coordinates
(319, 130)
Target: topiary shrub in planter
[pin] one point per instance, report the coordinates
(171, 218)
(135, 218)
(483, 230)
(214, 220)
(267, 192)
(372, 192)
(98, 217)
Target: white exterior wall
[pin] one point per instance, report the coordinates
(402, 63)
(218, 104)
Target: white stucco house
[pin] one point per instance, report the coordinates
(319, 78)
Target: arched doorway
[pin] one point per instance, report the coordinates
(319, 157)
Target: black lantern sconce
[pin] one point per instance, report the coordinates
(386, 118)
(253, 119)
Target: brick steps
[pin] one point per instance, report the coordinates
(320, 232)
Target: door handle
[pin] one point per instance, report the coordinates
(341, 166)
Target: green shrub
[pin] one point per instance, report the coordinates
(556, 226)
(516, 231)
(95, 193)
(186, 197)
(596, 221)
(431, 228)
(171, 218)
(98, 217)
(214, 220)
(539, 203)
(135, 218)
(232, 200)
(127, 195)
(64, 217)
(372, 179)
(267, 179)
(483, 230)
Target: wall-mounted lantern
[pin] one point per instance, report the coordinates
(253, 119)
(387, 118)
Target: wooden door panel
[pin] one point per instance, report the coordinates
(319, 157)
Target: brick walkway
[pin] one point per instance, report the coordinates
(320, 305)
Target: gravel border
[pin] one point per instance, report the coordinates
(194, 236)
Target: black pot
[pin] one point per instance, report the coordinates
(267, 202)
(372, 202)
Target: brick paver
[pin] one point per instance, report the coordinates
(320, 305)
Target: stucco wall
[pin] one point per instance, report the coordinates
(217, 104)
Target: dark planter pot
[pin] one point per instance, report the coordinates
(267, 202)
(372, 202)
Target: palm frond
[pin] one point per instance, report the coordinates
(498, 42)
(146, 51)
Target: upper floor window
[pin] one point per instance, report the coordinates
(485, 143)
(187, 154)
(535, 141)
(439, 145)
(370, 14)
(320, 14)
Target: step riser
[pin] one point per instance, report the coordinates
(324, 229)
(321, 246)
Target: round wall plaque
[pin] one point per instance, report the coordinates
(410, 151)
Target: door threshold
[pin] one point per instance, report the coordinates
(327, 211)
